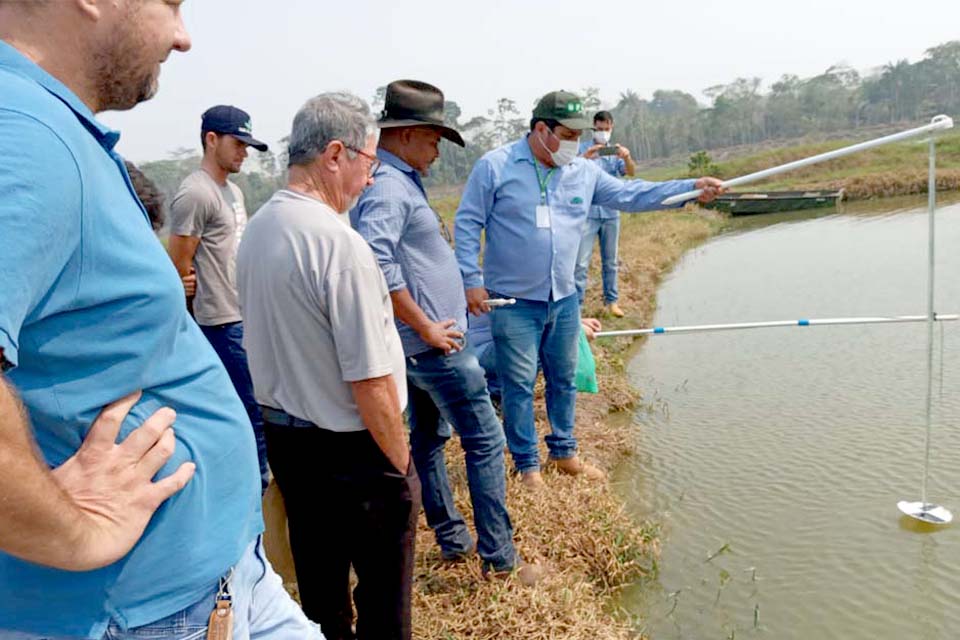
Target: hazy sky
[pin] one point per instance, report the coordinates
(269, 56)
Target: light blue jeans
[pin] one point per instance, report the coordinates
(262, 610)
(608, 231)
(521, 333)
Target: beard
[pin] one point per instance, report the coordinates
(123, 77)
(350, 205)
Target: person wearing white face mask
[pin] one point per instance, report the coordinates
(603, 223)
(530, 199)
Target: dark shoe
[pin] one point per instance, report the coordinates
(454, 557)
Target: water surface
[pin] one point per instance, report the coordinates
(783, 452)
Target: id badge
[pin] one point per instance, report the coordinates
(543, 217)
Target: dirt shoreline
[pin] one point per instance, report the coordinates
(592, 547)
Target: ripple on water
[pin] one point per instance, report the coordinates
(789, 448)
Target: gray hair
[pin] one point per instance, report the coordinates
(327, 117)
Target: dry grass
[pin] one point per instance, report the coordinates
(579, 530)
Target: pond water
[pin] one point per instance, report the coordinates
(775, 457)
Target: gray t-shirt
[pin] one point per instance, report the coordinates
(317, 314)
(215, 214)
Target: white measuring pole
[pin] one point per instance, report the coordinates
(923, 510)
(812, 322)
(938, 123)
(932, 204)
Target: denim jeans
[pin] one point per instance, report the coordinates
(452, 389)
(521, 332)
(262, 610)
(608, 230)
(487, 357)
(227, 341)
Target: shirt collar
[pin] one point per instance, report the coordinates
(521, 151)
(394, 161)
(13, 60)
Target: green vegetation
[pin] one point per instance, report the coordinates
(674, 124)
(896, 169)
(671, 133)
(700, 164)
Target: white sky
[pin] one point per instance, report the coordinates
(269, 56)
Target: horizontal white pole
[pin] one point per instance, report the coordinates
(938, 123)
(812, 322)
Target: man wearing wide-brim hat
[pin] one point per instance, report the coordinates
(445, 381)
(530, 198)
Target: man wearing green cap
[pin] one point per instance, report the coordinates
(530, 198)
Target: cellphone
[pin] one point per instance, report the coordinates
(609, 150)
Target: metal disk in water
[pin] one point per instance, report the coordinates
(926, 512)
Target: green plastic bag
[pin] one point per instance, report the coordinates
(586, 378)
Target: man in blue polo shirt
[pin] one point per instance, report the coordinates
(530, 199)
(92, 311)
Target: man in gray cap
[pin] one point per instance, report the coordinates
(207, 219)
(530, 198)
(445, 382)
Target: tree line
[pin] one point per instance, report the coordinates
(673, 122)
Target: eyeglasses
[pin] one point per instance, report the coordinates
(374, 160)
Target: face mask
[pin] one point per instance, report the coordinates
(601, 137)
(569, 149)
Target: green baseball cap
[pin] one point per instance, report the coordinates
(564, 107)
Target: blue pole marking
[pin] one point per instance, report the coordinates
(803, 322)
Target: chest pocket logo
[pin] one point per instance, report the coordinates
(577, 200)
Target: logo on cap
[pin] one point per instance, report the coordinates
(574, 107)
(246, 127)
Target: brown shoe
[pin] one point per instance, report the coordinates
(615, 310)
(531, 479)
(527, 573)
(574, 466)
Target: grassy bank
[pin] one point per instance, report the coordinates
(579, 530)
(890, 170)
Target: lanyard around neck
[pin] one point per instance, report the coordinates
(544, 181)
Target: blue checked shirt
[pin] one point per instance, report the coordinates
(611, 165)
(522, 260)
(406, 236)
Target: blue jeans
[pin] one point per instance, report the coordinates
(452, 389)
(487, 357)
(227, 341)
(521, 332)
(609, 231)
(262, 610)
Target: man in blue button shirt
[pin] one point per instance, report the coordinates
(446, 383)
(92, 311)
(603, 223)
(530, 199)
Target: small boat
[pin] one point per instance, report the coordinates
(752, 202)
